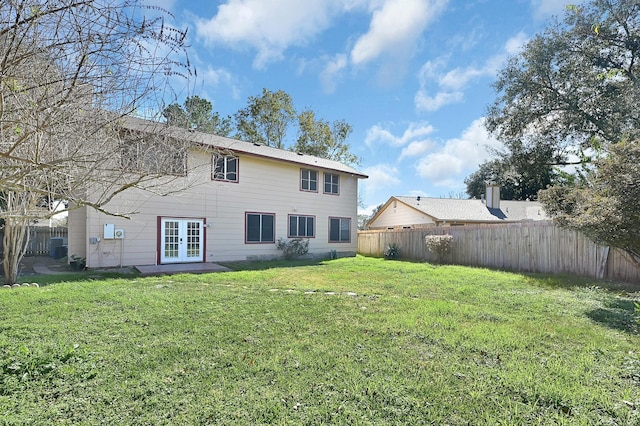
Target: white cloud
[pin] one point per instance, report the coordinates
(381, 176)
(458, 78)
(414, 149)
(458, 157)
(395, 27)
(220, 77)
(544, 8)
(332, 72)
(216, 76)
(424, 102)
(414, 131)
(449, 85)
(514, 45)
(269, 26)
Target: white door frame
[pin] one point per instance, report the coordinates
(181, 240)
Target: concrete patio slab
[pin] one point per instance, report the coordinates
(181, 268)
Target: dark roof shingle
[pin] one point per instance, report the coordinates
(470, 210)
(239, 146)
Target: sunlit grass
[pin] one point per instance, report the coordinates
(349, 341)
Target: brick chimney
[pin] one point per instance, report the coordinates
(493, 196)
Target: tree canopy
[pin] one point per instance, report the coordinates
(323, 139)
(606, 210)
(571, 97)
(575, 86)
(521, 173)
(197, 114)
(69, 71)
(266, 119)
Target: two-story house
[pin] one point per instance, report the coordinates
(238, 199)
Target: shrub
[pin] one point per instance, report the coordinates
(439, 245)
(78, 263)
(293, 248)
(392, 251)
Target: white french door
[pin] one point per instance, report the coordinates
(181, 240)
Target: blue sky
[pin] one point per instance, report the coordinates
(413, 77)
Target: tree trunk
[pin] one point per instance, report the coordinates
(16, 236)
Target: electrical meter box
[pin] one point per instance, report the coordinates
(109, 231)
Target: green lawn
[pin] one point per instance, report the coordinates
(349, 341)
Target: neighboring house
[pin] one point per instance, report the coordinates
(240, 198)
(415, 212)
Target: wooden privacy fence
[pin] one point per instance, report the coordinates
(524, 247)
(40, 239)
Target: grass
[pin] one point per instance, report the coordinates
(348, 341)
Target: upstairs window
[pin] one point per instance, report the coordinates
(301, 227)
(331, 184)
(309, 180)
(339, 230)
(225, 168)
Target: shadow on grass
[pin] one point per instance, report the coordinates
(69, 277)
(263, 265)
(61, 274)
(569, 282)
(618, 314)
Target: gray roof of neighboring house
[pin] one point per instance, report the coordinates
(471, 210)
(239, 146)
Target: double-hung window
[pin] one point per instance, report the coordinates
(225, 168)
(302, 226)
(339, 230)
(260, 228)
(309, 180)
(331, 183)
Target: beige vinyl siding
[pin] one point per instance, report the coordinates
(264, 186)
(77, 220)
(398, 214)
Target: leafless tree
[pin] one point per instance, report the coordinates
(71, 72)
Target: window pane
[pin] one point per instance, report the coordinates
(293, 226)
(302, 221)
(232, 168)
(218, 169)
(345, 230)
(309, 180)
(310, 227)
(225, 168)
(334, 230)
(331, 183)
(268, 234)
(253, 227)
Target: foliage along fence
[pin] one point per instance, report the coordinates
(523, 247)
(40, 239)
